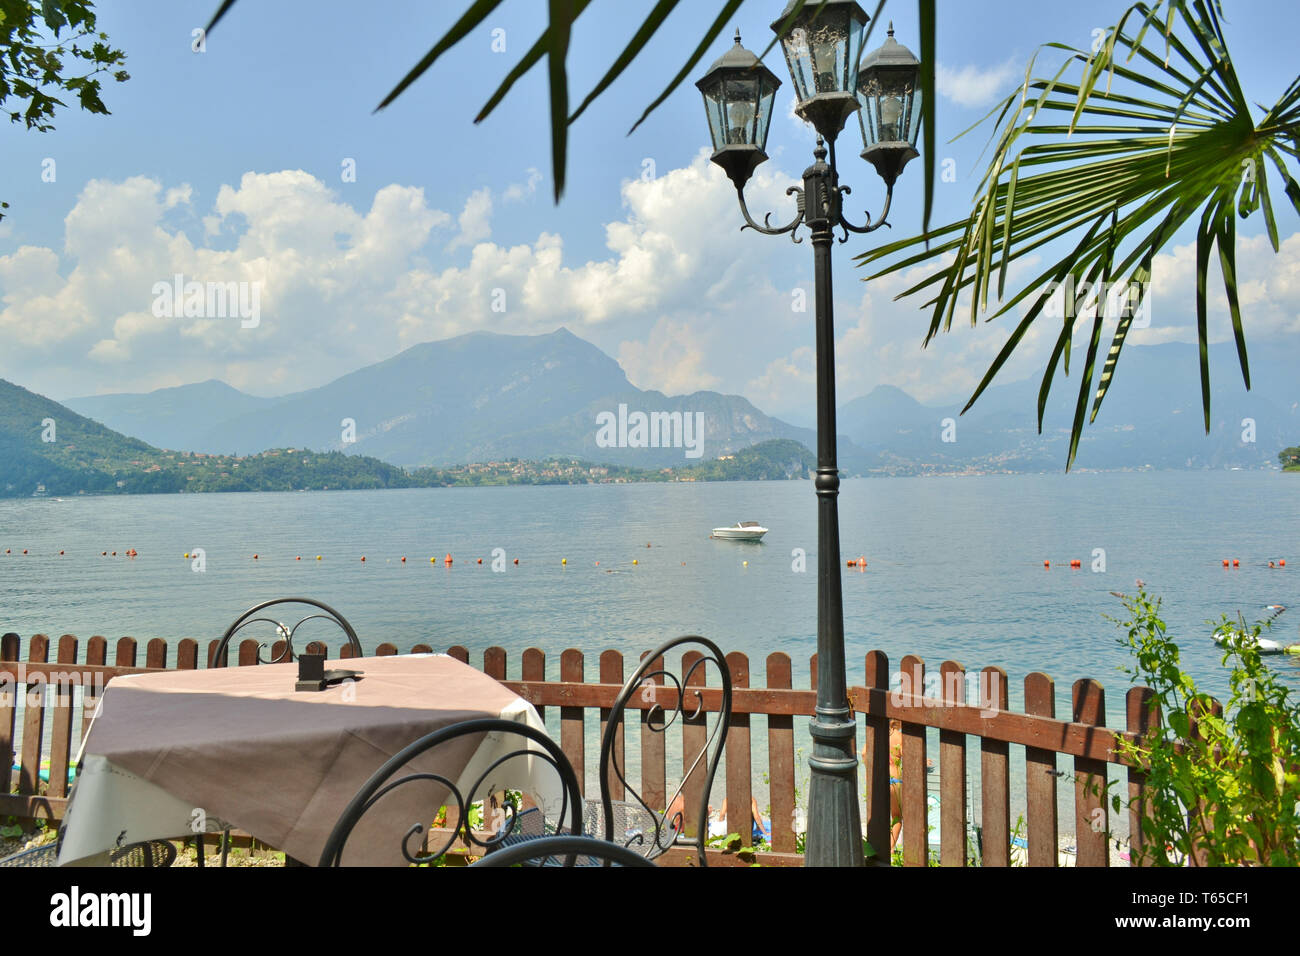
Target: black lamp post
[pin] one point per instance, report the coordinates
(822, 49)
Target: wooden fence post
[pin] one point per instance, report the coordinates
(1091, 816)
(1142, 713)
(740, 780)
(916, 818)
(952, 772)
(780, 760)
(875, 755)
(995, 780)
(1040, 778)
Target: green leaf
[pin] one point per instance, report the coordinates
(721, 21)
(470, 19)
(1227, 245)
(562, 14)
(928, 21)
(221, 12)
(652, 23)
(1203, 243)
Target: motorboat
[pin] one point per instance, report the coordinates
(741, 531)
(1263, 644)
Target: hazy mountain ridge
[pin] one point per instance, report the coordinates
(490, 397)
(478, 397)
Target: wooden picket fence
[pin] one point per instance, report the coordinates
(993, 726)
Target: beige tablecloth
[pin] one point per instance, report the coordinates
(170, 754)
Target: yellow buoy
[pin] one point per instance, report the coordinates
(564, 560)
(634, 560)
(318, 557)
(745, 563)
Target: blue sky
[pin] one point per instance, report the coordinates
(227, 164)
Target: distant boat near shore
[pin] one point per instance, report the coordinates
(741, 531)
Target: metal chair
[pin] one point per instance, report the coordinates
(149, 853)
(390, 776)
(634, 823)
(564, 850)
(284, 633)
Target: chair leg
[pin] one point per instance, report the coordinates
(225, 846)
(198, 849)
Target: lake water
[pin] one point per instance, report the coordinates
(955, 567)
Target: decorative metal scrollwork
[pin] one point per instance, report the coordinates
(284, 633)
(665, 824)
(454, 811)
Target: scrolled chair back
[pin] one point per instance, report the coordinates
(565, 850)
(284, 634)
(666, 697)
(440, 781)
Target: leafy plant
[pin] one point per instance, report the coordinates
(1124, 168)
(1228, 789)
(36, 42)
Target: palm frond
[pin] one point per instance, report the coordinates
(553, 43)
(1165, 138)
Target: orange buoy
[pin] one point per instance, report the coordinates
(480, 560)
(114, 553)
(862, 562)
(103, 554)
(363, 559)
(298, 558)
(849, 563)
(403, 559)
(1281, 563)
(647, 544)
(25, 551)
(516, 560)
(1225, 562)
(1047, 564)
(447, 559)
(254, 557)
(1236, 563)
(597, 564)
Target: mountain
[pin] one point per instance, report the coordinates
(171, 417)
(48, 449)
(487, 397)
(478, 397)
(1152, 416)
(45, 443)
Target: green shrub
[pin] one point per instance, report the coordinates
(1239, 775)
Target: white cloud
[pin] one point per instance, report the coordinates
(671, 360)
(475, 220)
(973, 85)
(681, 296)
(518, 192)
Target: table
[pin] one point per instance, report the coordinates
(169, 755)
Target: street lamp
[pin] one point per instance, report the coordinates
(822, 49)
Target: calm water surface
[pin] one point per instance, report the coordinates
(955, 567)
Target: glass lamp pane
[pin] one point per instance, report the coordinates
(827, 41)
(765, 114)
(741, 111)
(913, 113)
(798, 56)
(717, 124)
